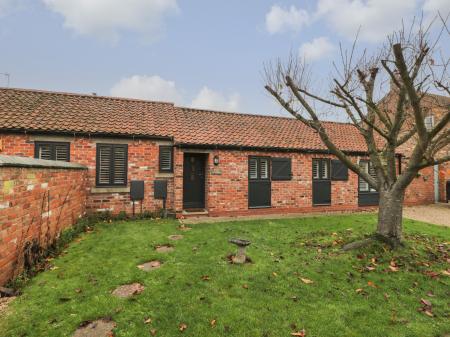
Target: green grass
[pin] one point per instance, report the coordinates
(266, 298)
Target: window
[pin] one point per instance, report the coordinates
(321, 169)
(165, 159)
(258, 168)
(338, 170)
(429, 122)
(281, 169)
(368, 168)
(112, 164)
(52, 151)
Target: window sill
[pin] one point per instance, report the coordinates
(164, 175)
(124, 189)
(258, 207)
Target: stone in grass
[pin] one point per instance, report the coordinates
(164, 248)
(148, 266)
(128, 290)
(175, 237)
(99, 328)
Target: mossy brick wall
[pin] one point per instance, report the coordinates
(36, 204)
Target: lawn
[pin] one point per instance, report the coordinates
(299, 279)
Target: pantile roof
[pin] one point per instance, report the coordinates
(43, 111)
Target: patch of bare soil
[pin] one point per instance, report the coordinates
(4, 302)
(175, 237)
(148, 266)
(128, 290)
(99, 328)
(164, 249)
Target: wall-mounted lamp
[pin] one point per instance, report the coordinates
(216, 160)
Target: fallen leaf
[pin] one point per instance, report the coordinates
(359, 290)
(205, 278)
(446, 272)
(148, 321)
(392, 268)
(425, 302)
(371, 284)
(213, 323)
(274, 274)
(245, 286)
(182, 327)
(153, 332)
(301, 333)
(370, 268)
(428, 313)
(305, 280)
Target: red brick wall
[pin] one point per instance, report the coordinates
(421, 189)
(142, 165)
(227, 183)
(36, 203)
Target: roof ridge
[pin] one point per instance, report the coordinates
(250, 114)
(116, 98)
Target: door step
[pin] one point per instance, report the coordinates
(194, 212)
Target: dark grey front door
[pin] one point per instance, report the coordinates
(194, 180)
(321, 182)
(259, 185)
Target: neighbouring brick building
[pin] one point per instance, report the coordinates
(209, 162)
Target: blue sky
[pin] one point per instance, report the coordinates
(197, 53)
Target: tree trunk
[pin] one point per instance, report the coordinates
(390, 216)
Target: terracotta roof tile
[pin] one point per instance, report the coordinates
(33, 110)
(61, 112)
(245, 130)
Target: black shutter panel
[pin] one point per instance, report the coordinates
(120, 165)
(338, 170)
(281, 169)
(165, 159)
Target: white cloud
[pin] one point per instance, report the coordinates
(210, 99)
(146, 87)
(279, 20)
(377, 18)
(316, 49)
(106, 19)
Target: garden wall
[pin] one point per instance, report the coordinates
(38, 199)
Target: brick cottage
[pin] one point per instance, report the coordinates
(209, 162)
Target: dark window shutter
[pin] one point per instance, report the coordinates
(112, 164)
(104, 156)
(44, 151)
(119, 165)
(338, 170)
(281, 169)
(165, 159)
(52, 151)
(253, 168)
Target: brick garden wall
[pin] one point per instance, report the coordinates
(36, 204)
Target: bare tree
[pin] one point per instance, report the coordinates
(409, 62)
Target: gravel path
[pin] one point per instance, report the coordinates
(438, 214)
